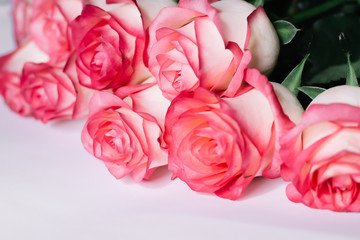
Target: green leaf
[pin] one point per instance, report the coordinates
(311, 91)
(350, 75)
(351, 78)
(334, 73)
(257, 3)
(293, 80)
(285, 30)
(328, 63)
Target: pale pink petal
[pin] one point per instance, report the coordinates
(157, 155)
(117, 170)
(293, 194)
(101, 100)
(129, 18)
(170, 17)
(151, 101)
(263, 43)
(281, 120)
(233, 15)
(84, 94)
(70, 8)
(214, 58)
(28, 52)
(254, 115)
(150, 8)
(21, 14)
(241, 60)
(289, 103)
(339, 94)
(203, 6)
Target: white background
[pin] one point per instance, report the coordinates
(51, 188)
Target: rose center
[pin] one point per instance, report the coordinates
(116, 144)
(177, 83)
(38, 98)
(207, 148)
(98, 60)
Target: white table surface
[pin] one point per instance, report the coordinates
(51, 188)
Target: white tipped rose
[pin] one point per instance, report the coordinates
(237, 17)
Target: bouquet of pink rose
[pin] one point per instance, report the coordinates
(183, 85)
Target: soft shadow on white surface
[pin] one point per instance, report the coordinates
(260, 186)
(159, 179)
(51, 188)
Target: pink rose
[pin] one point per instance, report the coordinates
(53, 94)
(127, 134)
(109, 46)
(219, 145)
(49, 26)
(324, 168)
(192, 45)
(11, 66)
(21, 14)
